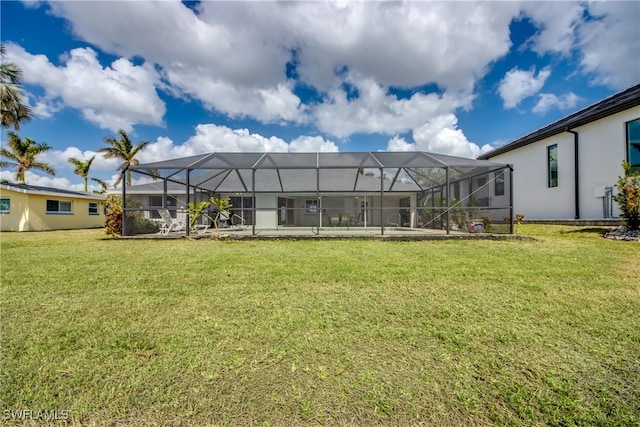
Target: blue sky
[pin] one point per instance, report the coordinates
(449, 77)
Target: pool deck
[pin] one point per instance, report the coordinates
(335, 233)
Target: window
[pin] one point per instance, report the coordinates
(59, 207)
(155, 203)
(241, 210)
(93, 208)
(633, 144)
(456, 190)
(552, 165)
(5, 205)
(311, 206)
(499, 184)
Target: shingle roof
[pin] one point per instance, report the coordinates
(614, 104)
(26, 188)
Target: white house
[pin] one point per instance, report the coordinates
(568, 169)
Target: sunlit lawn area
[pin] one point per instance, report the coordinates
(343, 332)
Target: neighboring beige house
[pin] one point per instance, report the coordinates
(568, 169)
(30, 208)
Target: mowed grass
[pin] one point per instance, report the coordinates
(343, 332)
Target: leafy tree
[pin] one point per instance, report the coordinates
(628, 197)
(82, 169)
(23, 153)
(222, 205)
(196, 210)
(122, 148)
(13, 111)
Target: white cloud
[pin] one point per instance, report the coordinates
(400, 144)
(376, 110)
(45, 107)
(439, 135)
(60, 159)
(604, 35)
(307, 144)
(44, 181)
(610, 44)
(210, 138)
(274, 104)
(111, 97)
(402, 44)
(232, 56)
(548, 101)
(557, 22)
(518, 84)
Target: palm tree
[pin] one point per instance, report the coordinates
(23, 153)
(222, 206)
(13, 110)
(123, 149)
(103, 184)
(82, 169)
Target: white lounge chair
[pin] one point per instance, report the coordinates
(223, 220)
(169, 224)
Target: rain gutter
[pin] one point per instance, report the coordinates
(576, 164)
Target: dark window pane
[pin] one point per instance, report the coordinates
(52, 206)
(633, 143)
(552, 165)
(5, 205)
(499, 185)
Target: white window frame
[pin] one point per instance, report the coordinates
(95, 205)
(8, 201)
(60, 203)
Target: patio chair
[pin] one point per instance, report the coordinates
(169, 224)
(223, 220)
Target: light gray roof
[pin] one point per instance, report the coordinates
(309, 172)
(49, 191)
(284, 181)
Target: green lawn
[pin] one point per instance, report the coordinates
(343, 332)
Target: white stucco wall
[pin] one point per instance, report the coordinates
(267, 218)
(602, 148)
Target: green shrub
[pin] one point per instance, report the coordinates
(113, 223)
(628, 197)
(487, 224)
(136, 223)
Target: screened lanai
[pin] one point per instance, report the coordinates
(374, 192)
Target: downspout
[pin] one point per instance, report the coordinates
(187, 218)
(253, 200)
(382, 201)
(318, 196)
(123, 179)
(448, 202)
(576, 172)
(510, 198)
